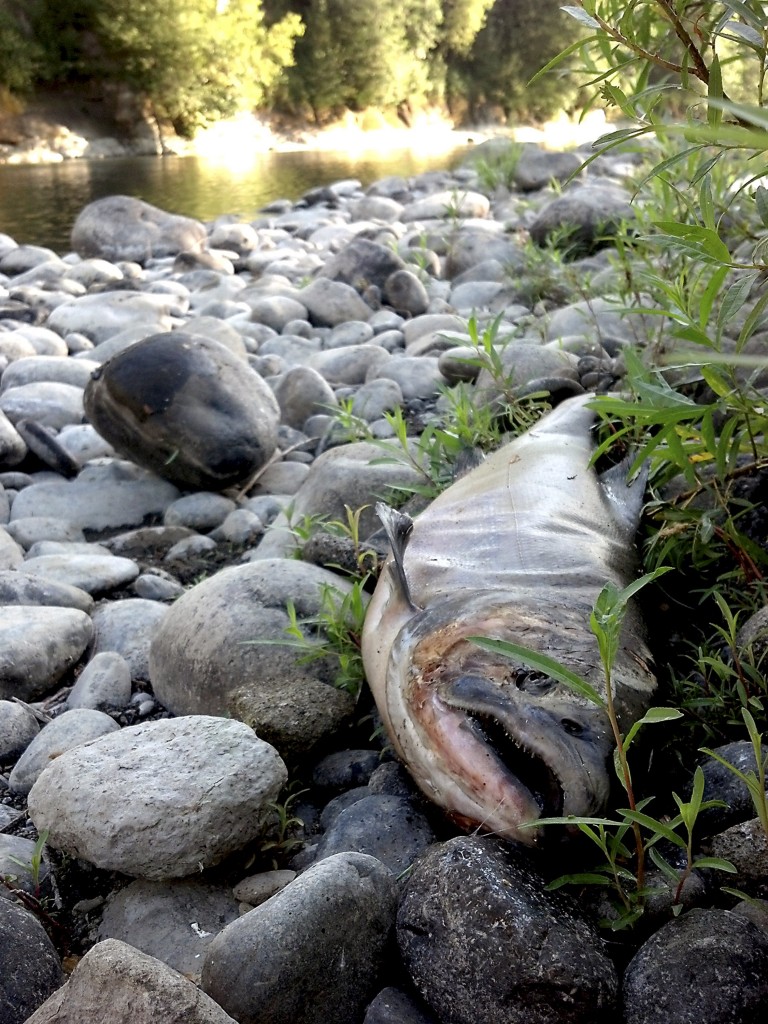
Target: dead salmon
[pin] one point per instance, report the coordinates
(518, 550)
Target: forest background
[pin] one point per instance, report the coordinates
(189, 63)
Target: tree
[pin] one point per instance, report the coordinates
(194, 60)
(354, 56)
(22, 57)
(515, 42)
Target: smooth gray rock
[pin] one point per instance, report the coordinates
(583, 219)
(348, 364)
(127, 628)
(36, 528)
(393, 1006)
(45, 402)
(66, 732)
(37, 646)
(115, 982)
(96, 573)
(18, 727)
(11, 553)
(125, 228)
(417, 376)
(332, 302)
(174, 922)
(300, 392)
(458, 203)
(104, 684)
(101, 315)
(351, 475)
(475, 910)
(107, 497)
(706, 965)
(30, 969)
(19, 587)
(257, 889)
(186, 408)
(75, 372)
(405, 293)
(362, 263)
(205, 783)
(202, 511)
(272, 966)
(229, 631)
(389, 828)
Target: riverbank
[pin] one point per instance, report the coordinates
(56, 130)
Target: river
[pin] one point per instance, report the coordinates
(39, 202)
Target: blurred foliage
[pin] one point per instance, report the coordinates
(190, 62)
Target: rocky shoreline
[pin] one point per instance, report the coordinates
(150, 528)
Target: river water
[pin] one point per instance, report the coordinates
(39, 203)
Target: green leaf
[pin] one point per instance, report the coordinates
(583, 879)
(761, 201)
(736, 295)
(540, 663)
(714, 91)
(580, 15)
(717, 863)
(654, 825)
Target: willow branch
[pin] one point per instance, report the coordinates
(700, 69)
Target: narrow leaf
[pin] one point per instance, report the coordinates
(540, 663)
(581, 16)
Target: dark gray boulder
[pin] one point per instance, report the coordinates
(186, 408)
(30, 970)
(707, 966)
(483, 941)
(313, 953)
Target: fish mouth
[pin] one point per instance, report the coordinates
(522, 763)
(548, 747)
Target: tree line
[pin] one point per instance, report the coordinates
(191, 62)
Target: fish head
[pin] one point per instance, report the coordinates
(494, 744)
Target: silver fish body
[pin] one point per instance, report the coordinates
(517, 550)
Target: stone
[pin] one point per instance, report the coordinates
(125, 228)
(45, 402)
(230, 631)
(476, 910)
(387, 827)
(294, 713)
(127, 628)
(104, 684)
(16, 870)
(95, 573)
(332, 302)
(447, 204)
(393, 1006)
(117, 983)
(30, 970)
(34, 369)
(271, 966)
(12, 447)
(405, 293)
(186, 408)
(417, 376)
(37, 646)
(584, 219)
(174, 921)
(205, 783)
(257, 889)
(63, 733)
(20, 587)
(103, 497)
(301, 392)
(362, 263)
(102, 315)
(706, 965)
(18, 727)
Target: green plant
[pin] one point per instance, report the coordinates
(497, 166)
(624, 865)
(754, 781)
(283, 829)
(34, 864)
(334, 631)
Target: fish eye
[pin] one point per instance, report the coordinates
(571, 727)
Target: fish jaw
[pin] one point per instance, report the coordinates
(491, 754)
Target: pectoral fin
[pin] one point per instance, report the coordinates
(398, 527)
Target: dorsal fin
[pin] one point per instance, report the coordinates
(625, 498)
(398, 527)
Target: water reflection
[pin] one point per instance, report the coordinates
(39, 203)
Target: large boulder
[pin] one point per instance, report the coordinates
(186, 408)
(125, 228)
